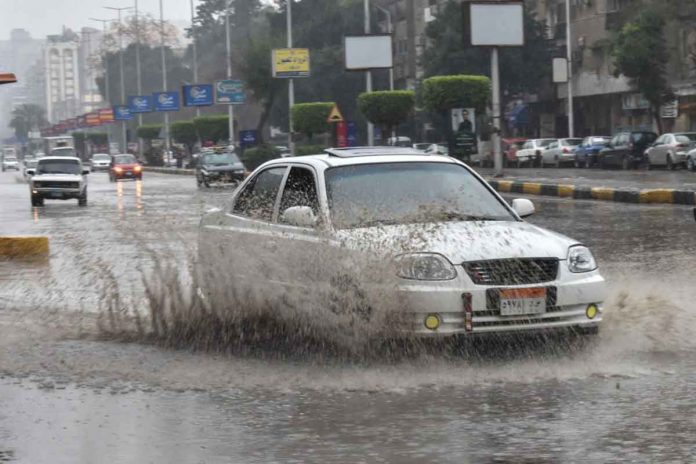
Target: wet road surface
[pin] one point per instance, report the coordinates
(628, 397)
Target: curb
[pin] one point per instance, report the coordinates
(174, 171)
(645, 196)
(23, 247)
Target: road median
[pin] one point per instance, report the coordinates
(175, 171)
(24, 247)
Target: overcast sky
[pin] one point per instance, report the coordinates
(43, 17)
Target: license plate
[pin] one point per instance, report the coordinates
(521, 301)
(128, 174)
(56, 194)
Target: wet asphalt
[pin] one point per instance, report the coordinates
(628, 397)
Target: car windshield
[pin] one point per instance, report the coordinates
(571, 142)
(220, 159)
(125, 159)
(101, 157)
(386, 193)
(545, 142)
(63, 151)
(685, 138)
(58, 166)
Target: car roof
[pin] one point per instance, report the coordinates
(376, 155)
(53, 158)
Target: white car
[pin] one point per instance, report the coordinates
(420, 244)
(560, 152)
(100, 162)
(58, 178)
(531, 151)
(10, 162)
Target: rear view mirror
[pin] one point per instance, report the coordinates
(523, 207)
(31, 171)
(299, 216)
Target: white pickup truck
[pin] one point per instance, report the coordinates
(58, 178)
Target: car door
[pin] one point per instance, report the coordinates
(548, 156)
(657, 151)
(237, 245)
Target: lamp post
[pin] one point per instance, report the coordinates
(107, 92)
(387, 13)
(194, 50)
(138, 71)
(569, 55)
(368, 74)
(124, 141)
(230, 108)
(164, 81)
(291, 84)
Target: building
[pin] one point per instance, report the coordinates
(62, 70)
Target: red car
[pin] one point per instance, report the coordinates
(125, 167)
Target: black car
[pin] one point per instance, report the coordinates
(219, 166)
(625, 150)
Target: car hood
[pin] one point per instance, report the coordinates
(460, 241)
(57, 177)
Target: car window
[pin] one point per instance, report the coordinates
(258, 198)
(553, 145)
(527, 145)
(623, 139)
(58, 166)
(571, 142)
(685, 138)
(300, 190)
(545, 142)
(660, 140)
(124, 159)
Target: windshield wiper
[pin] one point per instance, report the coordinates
(456, 216)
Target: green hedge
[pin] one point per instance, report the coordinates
(212, 128)
(255, 157)
(304, 150)
(310, 118)
(442, 93)
(97, 138)
(387, 109)
(149, 131)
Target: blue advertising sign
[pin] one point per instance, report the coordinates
(122, 113)
(198, 95)
(166, 101)
(230, 92)
(140, 104)
(352, 134)
(248, 138)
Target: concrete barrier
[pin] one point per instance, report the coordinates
(175, 171)
(23, 247)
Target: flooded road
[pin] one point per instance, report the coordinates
(628, 397)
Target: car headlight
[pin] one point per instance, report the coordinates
(580, 259)
(424, 266)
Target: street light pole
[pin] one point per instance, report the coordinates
(291, 84)
(138, 72)
(124, 141)
(368, 75)
(230, 108)
(164, 81)
(390, 32)
(107, 92)
(194, 50)
(569, 56)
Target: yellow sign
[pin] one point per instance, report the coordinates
(291, 62)
(335, 115)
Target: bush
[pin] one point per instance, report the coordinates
(310, 118)
(184, 132)
(255, 157)
(149, 131)
(387, 109)
(97, 138)
(442, 93)
(304, 150)
(212, 128)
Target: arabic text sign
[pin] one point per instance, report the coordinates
(291, 62)
(230, 92)
(198, 95)
(166, 101)
(140, 103)
(122, 113)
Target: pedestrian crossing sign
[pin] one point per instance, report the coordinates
(335, 115)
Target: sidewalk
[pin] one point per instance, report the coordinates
(670, 187)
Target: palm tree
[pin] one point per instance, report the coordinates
(27, 118)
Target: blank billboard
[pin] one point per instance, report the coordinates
(497, 24)
(368, 52)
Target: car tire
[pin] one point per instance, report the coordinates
(82, 201)
(588, 162)
(625, 163)
(690, 164)
(37, 201)
(558, 163)
(670, 164)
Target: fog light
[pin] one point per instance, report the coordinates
(432, 321)
(591, 311)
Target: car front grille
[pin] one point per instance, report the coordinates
(512, 271)
(57, 184)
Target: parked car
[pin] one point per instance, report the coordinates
(625, 150)
(691, 161)
(586, 153)
(29, 167)
(421, 146)
(437, 149)
(10, 162)
(530, 153)
(510, 148)
(670, 150)
(219, 167)
(451, 256)
(58, 178)
(560, 152)
(125, 167)
(100, 162)
(400, 141)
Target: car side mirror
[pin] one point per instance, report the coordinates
(31, 171)
(299, 216)
(85, 172)
(523, 207)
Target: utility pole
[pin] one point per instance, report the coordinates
(164, 82)
(230, 108)
(368, 75)
(107, 92)
(138, 72)
(124, 140)
(291, 84)
(195, 51)
(569, 56)
(390, 32)
(495, 137)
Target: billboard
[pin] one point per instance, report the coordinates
(198, 95)
(122, 113)
(166, 101)
(92, 119)
(364, 52)
(290, 62)
(106, 115)
(140, 104)
(497, 24)
(230, 92)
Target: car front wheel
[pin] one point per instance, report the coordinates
(82, 201)
(670, 164)
(690, 164)
(37, 200)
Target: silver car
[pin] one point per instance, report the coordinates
(670, 150)
(560, 152)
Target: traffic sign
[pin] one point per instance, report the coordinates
(335, 115)
(166, 101)
(122, 113)
(198, 95)
(230, 92)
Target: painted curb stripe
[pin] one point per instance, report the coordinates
(20, 247)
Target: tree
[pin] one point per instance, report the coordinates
(640, 53)
(441, 94)
(387, 109)
(310, 118)
(27, 118)
(149, 131)
(212, 128)
(97, 138)
(184, 132)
